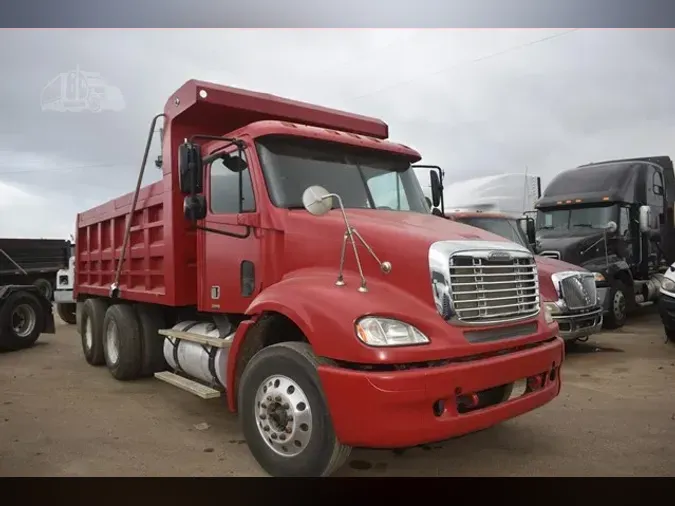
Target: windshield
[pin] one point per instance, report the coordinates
(506, 228)
(575, 218)
(364, 179)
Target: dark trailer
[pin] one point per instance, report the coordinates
(27, 277)
(614, 218)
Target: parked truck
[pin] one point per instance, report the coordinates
(569, 292)
(63, 293)
(288, 260)
(26, 287)
(615, 218)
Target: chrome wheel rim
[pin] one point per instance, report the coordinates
(283, 415)
(112, 343)
(23, 320)
(619, 305)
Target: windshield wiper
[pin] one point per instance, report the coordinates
(546, 227)
(585, 225)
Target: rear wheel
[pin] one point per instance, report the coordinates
(66, 312)
(151, 319)
(21, 321)
(122, 342)
(285, 416)
(616, 316)
(45, 288)
(90, 327)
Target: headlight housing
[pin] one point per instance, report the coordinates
(668, 285)
(598, 276)
(375, 331)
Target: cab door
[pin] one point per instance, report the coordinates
(228, 240)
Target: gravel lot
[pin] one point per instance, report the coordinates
(61, 417)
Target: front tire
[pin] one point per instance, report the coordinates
(616, 316)
(21, 321)
(45, 288)
(66, 312)
(284, 413)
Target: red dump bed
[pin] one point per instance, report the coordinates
(161, 261)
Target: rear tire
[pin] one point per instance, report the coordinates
(616, 316)
(151, 319)
(90, 327)
(21, 321)
(45, 288)
(122, 342)
(67, 312)
(288, 370)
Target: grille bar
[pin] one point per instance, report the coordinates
(491, 291)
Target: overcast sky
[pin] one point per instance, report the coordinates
(476, 102)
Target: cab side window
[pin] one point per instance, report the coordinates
(224, 189)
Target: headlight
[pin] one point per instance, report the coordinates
(549, 310)
(598, 276)
(668, 285)
(375, 331)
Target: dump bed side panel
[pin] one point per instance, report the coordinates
(148, 273)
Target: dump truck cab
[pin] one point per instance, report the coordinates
(288, 259)
(568, 291)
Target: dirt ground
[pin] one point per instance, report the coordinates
(59, 416)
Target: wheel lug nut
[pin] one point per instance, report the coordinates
(278, 398)
(269, 398)
(288, 430)
(263, 417)
(282, 437)
(274, 436)
(290, 418)
(264, 406)
(286, 406)
(266, 428)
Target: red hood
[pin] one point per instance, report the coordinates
(402, 238)
(547, 267)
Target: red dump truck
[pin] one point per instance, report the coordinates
(289, 260)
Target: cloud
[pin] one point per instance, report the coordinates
(477, 102)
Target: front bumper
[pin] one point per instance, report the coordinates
(395, 409)
(573, 326)
(667, 311)
(63, 296)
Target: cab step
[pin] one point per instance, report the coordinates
(188, 385)
(195, 338)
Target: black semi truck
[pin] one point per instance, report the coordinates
(28, 270)
(614, 218)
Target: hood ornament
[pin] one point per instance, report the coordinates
(317, 201)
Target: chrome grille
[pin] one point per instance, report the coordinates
(488, 290)
(579, 291)
(550, 254)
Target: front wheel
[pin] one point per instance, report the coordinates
(616, 316)
(66, 311)
(285, 416)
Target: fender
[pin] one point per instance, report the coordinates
(326, 313)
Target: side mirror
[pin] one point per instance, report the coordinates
(317, 201)
(530, 231)
(611, 227)
(429, 203)
(435, 188)
(194, 207)
(190, 168)
(645, 218)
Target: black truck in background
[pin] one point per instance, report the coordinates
(28, 270)
(614, 218)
